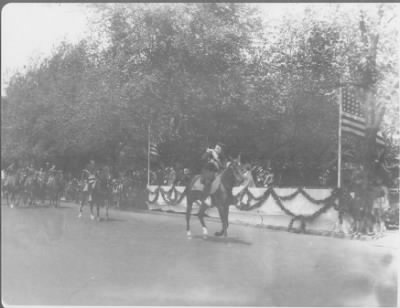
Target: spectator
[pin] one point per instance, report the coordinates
(184, 178)
(380, 205)
(248, 177)
(170, 176)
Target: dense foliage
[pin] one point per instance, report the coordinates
(198, 73)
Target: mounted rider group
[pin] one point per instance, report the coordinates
(29, 186)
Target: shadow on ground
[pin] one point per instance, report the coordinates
(226, 240)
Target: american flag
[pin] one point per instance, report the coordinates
(154, 150)
(353, 121)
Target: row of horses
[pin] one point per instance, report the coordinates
(29, 187)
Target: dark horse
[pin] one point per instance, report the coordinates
(220, 194)
(12, 186)
(101, 194)
(55, 186)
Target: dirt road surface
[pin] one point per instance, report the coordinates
(50, 257)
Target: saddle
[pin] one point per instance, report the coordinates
(199, 185)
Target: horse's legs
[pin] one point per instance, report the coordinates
(226, 211)
(81, 205)
(221, 216)
(377, 223)
(189, 204)
(202, 211)
(91, 209)
(16, 199)
(30, 198)
(9, 199)
(11, 196)
(107, 205)
(6, 194)
(98, 203)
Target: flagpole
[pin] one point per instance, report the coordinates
(148, 155)
(339, 166)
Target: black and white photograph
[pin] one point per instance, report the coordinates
(200, 154)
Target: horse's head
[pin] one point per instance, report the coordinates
(235, 169)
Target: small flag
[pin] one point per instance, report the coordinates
(353, 121)
(154, 150)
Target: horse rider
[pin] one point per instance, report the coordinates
(11, 168)
(91, 177)
(215, 162)
(46, 167)
(52, 171)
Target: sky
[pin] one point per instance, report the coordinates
(32, 30)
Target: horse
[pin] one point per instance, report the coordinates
(72, 190)
(118, 188)
(55, 186)
(12, 185)
(101, 193)
(39, 187)
(28, 188)
(84, 192)
(220, 194)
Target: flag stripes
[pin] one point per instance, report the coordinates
(154, 150)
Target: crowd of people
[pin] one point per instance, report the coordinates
(255, 176)
(368, 204)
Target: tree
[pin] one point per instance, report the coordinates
(200, 73)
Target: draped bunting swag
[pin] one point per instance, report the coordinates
(173, 197)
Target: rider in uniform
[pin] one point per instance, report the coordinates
(215, 162)
(91, 176)
(11, 168)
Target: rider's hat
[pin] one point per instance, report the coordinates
(220, 144)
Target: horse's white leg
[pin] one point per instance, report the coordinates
(10, 201)
(226, 219)
(91, 210)
(81, 207)
(189, 204)
(201, 218)
(107, 206)
(205, 232)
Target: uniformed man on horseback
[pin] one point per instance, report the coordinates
(11, 168)
(215, 162)
(91, 177)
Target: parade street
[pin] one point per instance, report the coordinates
(50, 257)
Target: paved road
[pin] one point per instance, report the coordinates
(50, 257)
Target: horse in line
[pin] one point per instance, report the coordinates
(99, 194)
(12, 186)
(55, 188)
